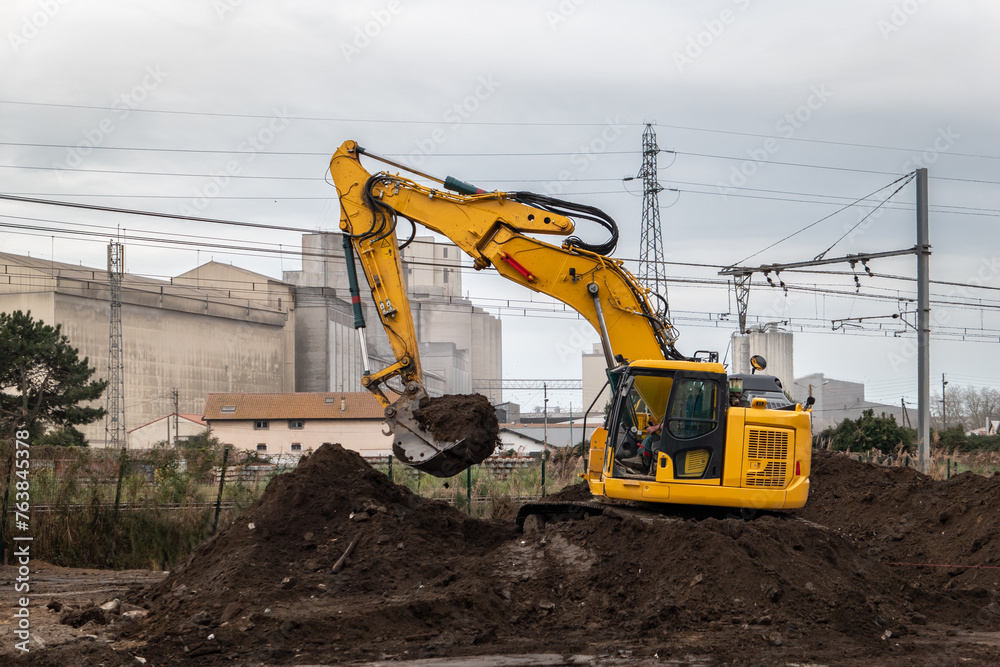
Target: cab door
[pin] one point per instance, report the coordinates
(622, 416)
(693, 433)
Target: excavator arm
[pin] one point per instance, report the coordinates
(493, 228)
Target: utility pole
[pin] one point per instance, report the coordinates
(114, 424)
(944, 403)
(545, 432)
(652, 273)
(923, 326)
(571, 443)
(177, 422)
(545, 419)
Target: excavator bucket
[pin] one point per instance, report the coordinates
(442, 436)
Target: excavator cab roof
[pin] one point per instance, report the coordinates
(671, 365)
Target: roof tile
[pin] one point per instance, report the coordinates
(298, 405)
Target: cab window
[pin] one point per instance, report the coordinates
(693, 408)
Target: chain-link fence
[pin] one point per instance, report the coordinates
(144, 508)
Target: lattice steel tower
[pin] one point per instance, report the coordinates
(114, 425)
(651, 269)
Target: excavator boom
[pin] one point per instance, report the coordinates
(491, 228)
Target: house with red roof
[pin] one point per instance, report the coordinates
(295, 423)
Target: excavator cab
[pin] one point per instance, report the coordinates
(689, 405)
(711, 449)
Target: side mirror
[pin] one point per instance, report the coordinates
(758, 363)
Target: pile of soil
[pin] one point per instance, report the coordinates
(269, 576)
(422, 580)
(946, 532)
(461, 417)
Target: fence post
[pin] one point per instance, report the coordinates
(949, 469)
(468, 488)
(543, 475)
(390, 467)
(3, 512)
(222, 481)
(122, 468)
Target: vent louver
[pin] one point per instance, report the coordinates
(770, 448)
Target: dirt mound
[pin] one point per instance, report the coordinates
(422, 580)
(274, 566)
(455, 417)
(949, 528)
(573, 492)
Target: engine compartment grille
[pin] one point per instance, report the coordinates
(767, 444)
(767, 457)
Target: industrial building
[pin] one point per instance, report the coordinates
(223, 329)
(462, 342)
(214, 329)
(774, 345)
(837, 400)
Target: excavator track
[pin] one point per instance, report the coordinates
(553, 511)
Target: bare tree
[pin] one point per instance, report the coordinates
(978, 405)
(968, 406)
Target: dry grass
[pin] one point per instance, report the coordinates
(943, 464)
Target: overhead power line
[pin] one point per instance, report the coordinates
(824, 218)
(405, 121)
(325, 119)
(285, 228)
(715, 190)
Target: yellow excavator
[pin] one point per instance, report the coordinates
(679, 429)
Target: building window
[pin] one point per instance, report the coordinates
(228, 408)
(296, 446)
(296, 423)
(329, 399)
(261, 446)
(260, 424)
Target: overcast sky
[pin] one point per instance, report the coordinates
(771, 115)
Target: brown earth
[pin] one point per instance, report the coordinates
(945, 531)
(423, 580)
(468, 417)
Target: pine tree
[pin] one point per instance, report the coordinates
(43, 382)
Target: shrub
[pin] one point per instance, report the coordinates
(868, 432)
